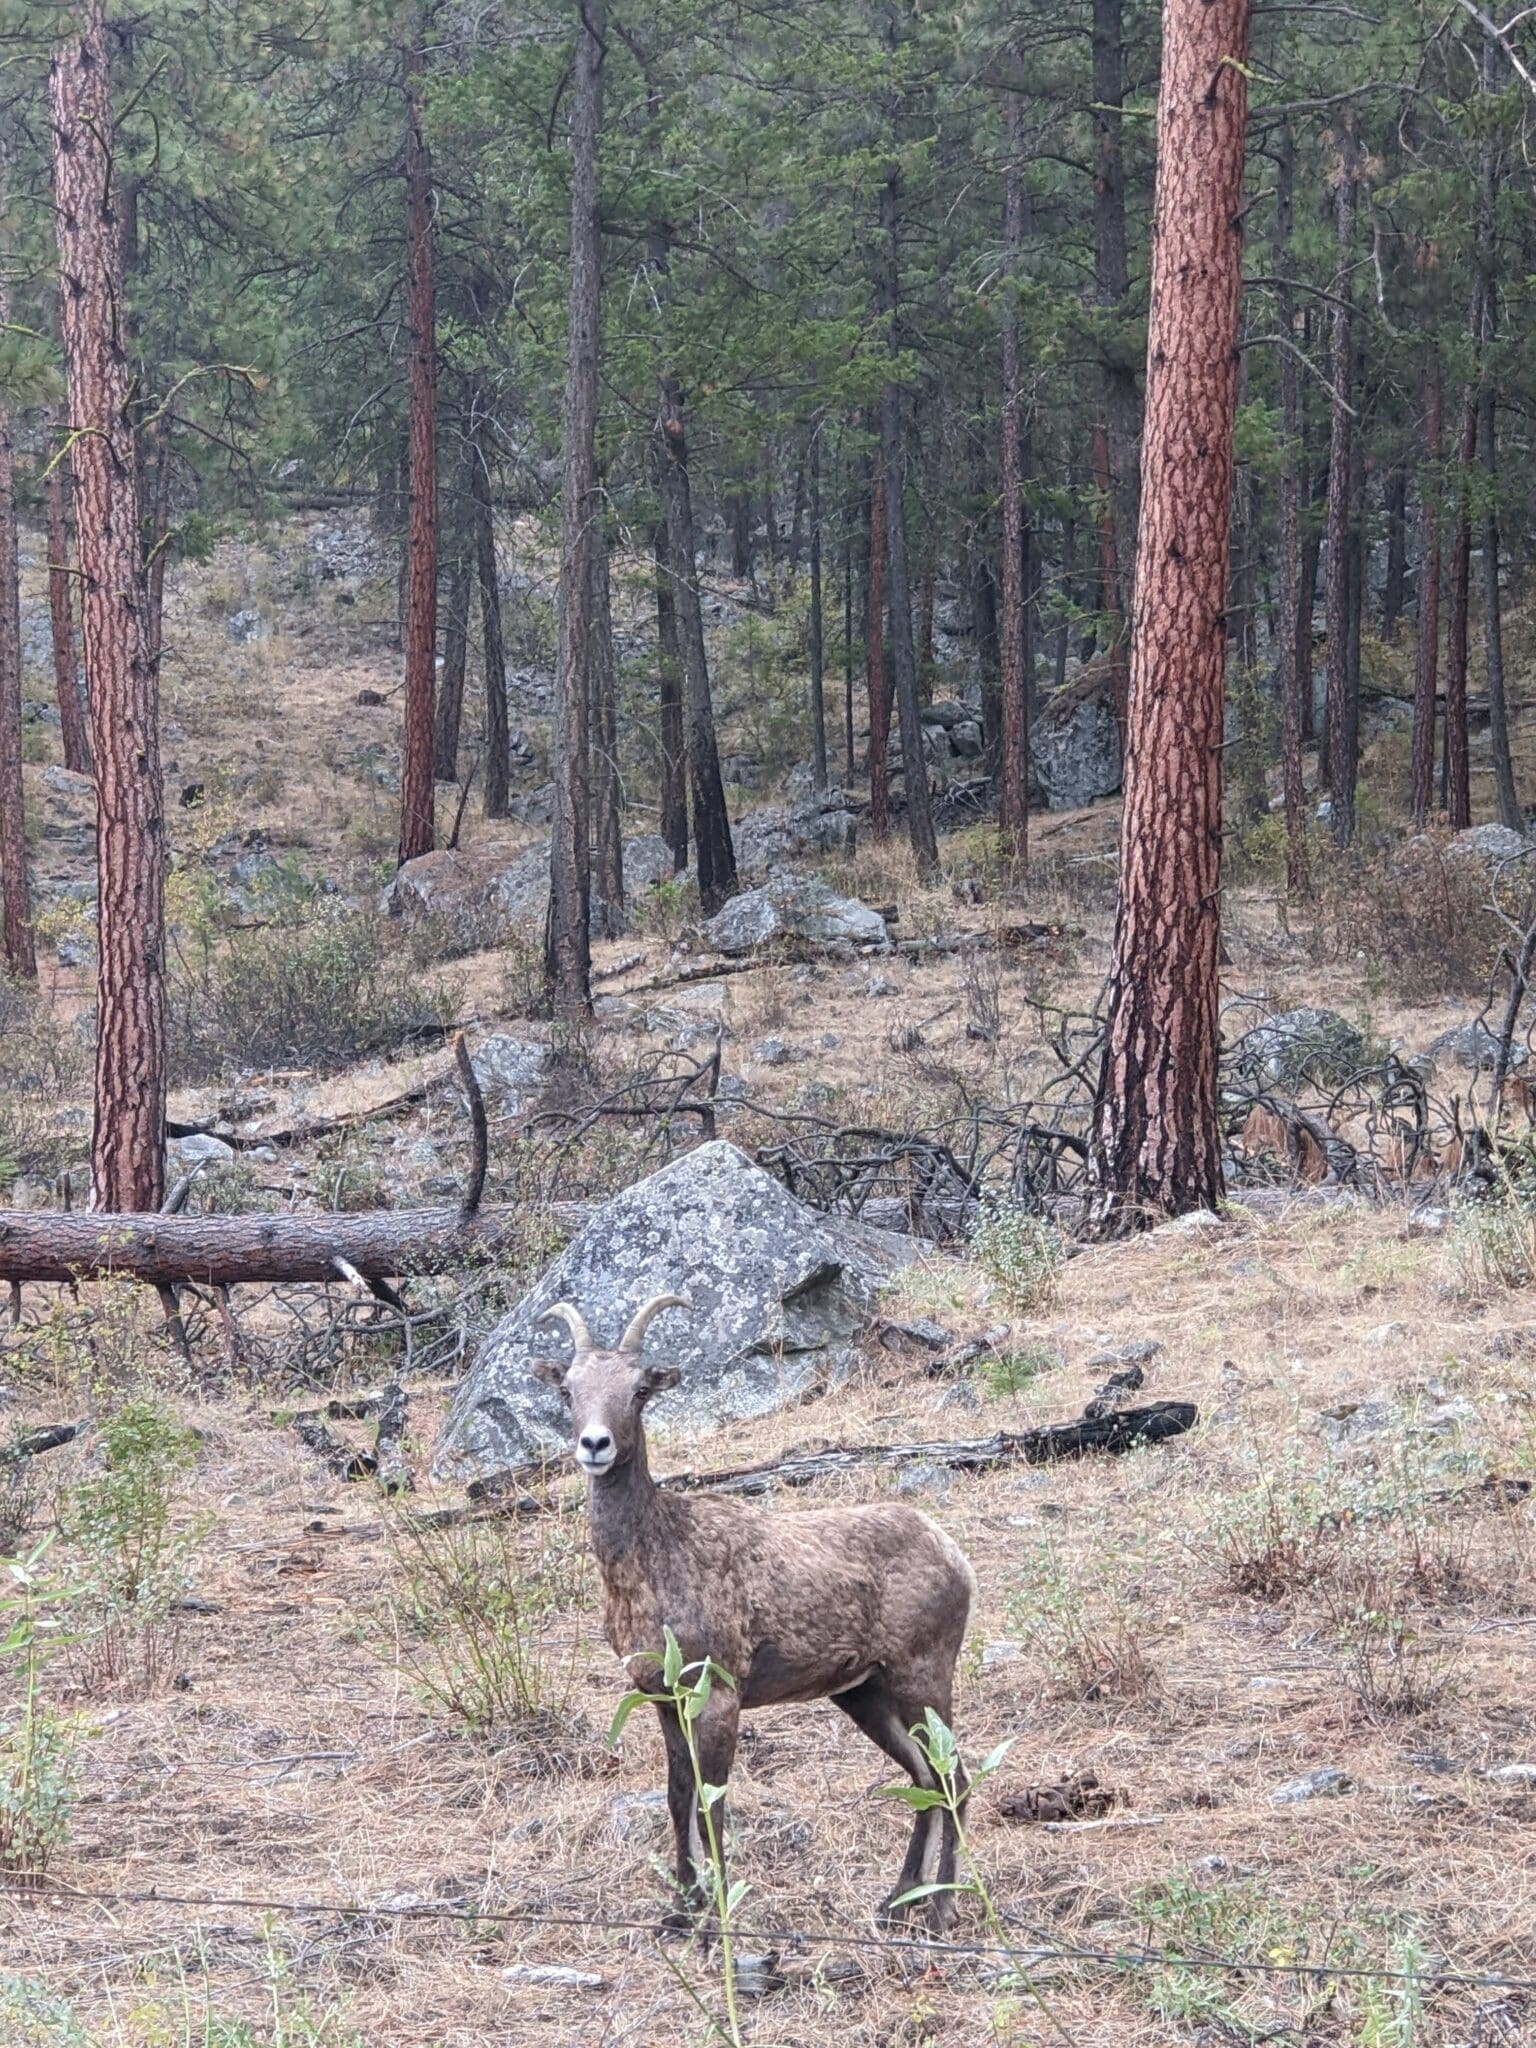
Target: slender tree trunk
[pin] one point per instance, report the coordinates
(157, 538)
(1112, 281)
(874, 656)
(1354, 607)
(66, 676)
(418, 828)
(1064, 630)
(847, 654)
(1156, 1139)
(1306, 612)
(497, 739)
(674, 768)
(989, 655)
(127, 1149)
(20, 952)
(568, 950)
(1014, 751)
(741, 534)
(449, 711)
(1298, 877)
(714, 852)
(1109, 582)
(1394, 592)
(818, 650)
(607, 790)
(1486, 309)
(903, 655)
(926, 597)
(1458, 767)
(1426, 669)
(1342, 762)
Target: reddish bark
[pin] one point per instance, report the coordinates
(66, 678)
(874, 646)
(1426, 669)
(1014, 748)
(418, 827)
(127, 1154)
(1157, 1145)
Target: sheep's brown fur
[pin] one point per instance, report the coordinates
(866, 1606)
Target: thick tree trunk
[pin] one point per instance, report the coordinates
(674, 764)
(1343, 763)
(127, 1149)
(418, 827)
(874, 662)
(713, 850)
(219, 1251)
(1014, 751)
(66, 676)
(1156, 1139)
(568, 952)
(903, 655)
(1426, 676)
(818, 646)
(1298, 877)
(20, 951)
(497, 749)
(1458, 767)
(449, 711)
(607, 785)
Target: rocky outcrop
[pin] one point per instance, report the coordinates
(1075, 742)
(780, 1293)
(799, 912)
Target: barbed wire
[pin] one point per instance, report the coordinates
(1140, 1958)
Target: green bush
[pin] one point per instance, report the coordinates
(1020, 1254)
(322, 994)
(37, 1746)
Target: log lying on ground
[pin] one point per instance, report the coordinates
(1109, 1434)
(223, 1251)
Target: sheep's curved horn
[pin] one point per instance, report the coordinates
(581, 1336)
(641, 1320)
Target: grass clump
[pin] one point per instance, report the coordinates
(37, 1746)
(321, 994)
(1020, 1253)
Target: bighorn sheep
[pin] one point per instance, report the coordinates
(865, 1606)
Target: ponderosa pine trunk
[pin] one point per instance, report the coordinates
(1298, 876)
(448, 713)
(1109, 582)
(713, 849)
(607, 784)
(1394, 588)
(874, 662)
(418, 826)
(66, 676)
(1014, 739)
(1486, 326)
(157, 535)
(497, 737)
(1458, 766)
(1112, 284)
(818, 641)
(1156, 1137)
(1343, 762)
(914, 763)
(568, 946)
(20, 950)
(1426, 674)
(128, 1140)
(669, 705)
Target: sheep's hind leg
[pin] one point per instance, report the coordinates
(873, 1707)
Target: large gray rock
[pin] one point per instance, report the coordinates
(795, 909)
(1075, 743)
(511, 1071)
(1300, 1045)
(779, 1295)
(475, 885)
(1484, 848)
(816, 826)
(1474, 1046)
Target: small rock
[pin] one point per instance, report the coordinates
(1138, 1351)
(637, 1813)
(199, 1149)
(1513, 1774)
(1328, 1783)
(1196, 1224)
(772, 1052)
(993, 1654)
(924, 1477)
(759, 1976)
(880, 986)
(830, 1041)
(247, 626)
(556, 1976)
(1383, 1335)
(919, 1333)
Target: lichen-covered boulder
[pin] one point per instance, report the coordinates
(791, 908)
(1074, 744)
(780, 1293)
(1300, 1045)
(818, 825)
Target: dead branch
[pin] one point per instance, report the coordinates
(474, 1187)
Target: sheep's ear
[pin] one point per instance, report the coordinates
(657, 1378)
(550, 1371)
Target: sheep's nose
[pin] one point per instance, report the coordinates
(597, 1443)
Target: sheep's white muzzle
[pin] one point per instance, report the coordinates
(595, 1464)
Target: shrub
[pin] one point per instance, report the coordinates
(132, 1548)
(41, 1064)
(1278, 1538)
(1020, 1254)
(37, 1755)
(479, 1630)
(1089, 1649)
(1427, 922)
(1010, 1372)
(322, 994)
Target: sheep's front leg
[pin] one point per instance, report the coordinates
(714, 1735)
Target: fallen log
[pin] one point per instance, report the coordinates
(223, 1251)
(1111, 1435)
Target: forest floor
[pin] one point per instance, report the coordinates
(1296, 1647)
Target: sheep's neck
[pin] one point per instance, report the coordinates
(619, 1505)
